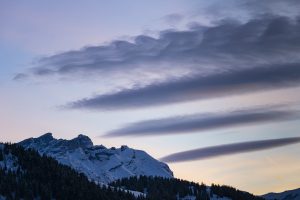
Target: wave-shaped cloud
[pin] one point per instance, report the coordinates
(198, 87)
(228, 149)
(226, 58)
(268, 39)
(204, 121)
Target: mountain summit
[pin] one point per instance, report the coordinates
(97, 162)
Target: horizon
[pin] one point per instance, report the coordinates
(212, 87)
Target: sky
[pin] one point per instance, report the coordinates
(210, 87)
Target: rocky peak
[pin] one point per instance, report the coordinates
(82, 141)
(46, 137)
(97, 162)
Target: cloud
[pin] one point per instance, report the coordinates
(247, 9)
(228, 149)
(201, 49)
(277, 7)
(173, 18)
(209, 61)
(225, 58)
(20, 76)
(203, 121)
(243, 80)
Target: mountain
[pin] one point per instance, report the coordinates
(286, 195)
(46, 168)
(98, 163)
(25, 174)
(49, 168)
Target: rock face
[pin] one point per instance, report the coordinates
(98, 163)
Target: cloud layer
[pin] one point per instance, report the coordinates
(228, 149)
(228, 57)
(198, 87)
(203, 121)
(227, 43)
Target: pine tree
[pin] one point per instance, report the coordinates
(1, 155)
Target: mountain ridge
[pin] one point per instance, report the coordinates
(25, 175)
(143, 187)
(97, 162)
(82, 155)
(285, 195)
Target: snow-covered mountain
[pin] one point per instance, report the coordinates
(103, 165)
(98, 163)
(287, 195)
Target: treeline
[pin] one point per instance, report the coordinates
(35, 176)
(233, 193)
(174, 189)
(158, 188)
